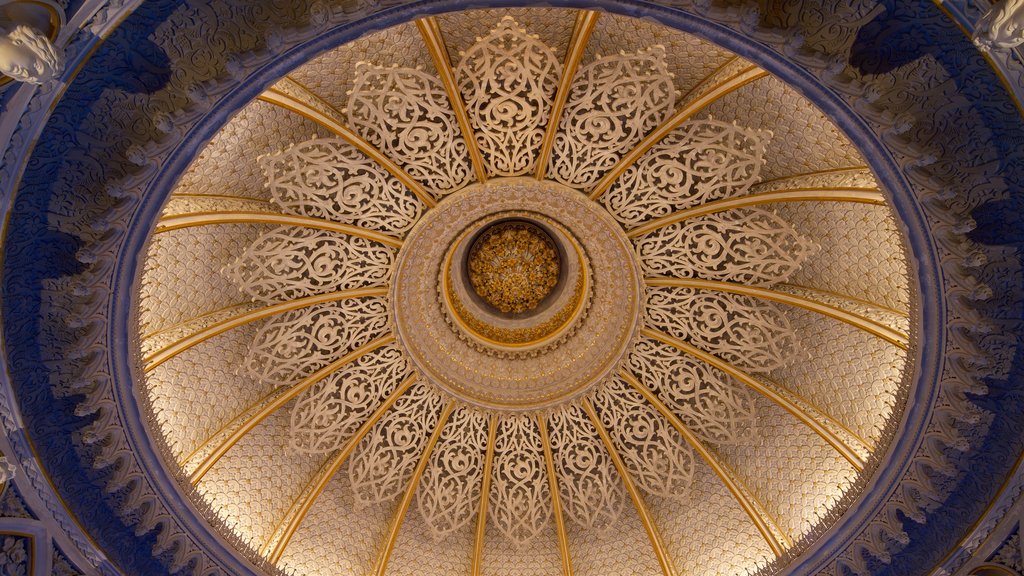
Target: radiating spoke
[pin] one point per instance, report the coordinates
(556, 501)
(776, 538)
(585, 22)
(279, 401)
(854, 449)
(293, 96)
(855, 195)
(873, 327)
(297, 513)
(431, 32)
(396, 522)
(485, 490)
(727, 79)
(667, 568)
(180, 221)
(179, 345)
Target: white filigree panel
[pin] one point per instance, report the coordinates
(749, 246)
(327, 414)
(614, 102)
(699, 162)
(328, 178)
(712, 405)
(520, 499)
(592, 492)
(300, 342)
(751, 333)
(406, 114)
(656, 456)
(449, 491)
(384, 461)
(507, 80)
(290, 262)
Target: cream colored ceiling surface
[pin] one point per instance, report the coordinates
(710, 405)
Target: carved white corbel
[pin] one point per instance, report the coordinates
(1002, 27)
(27, 52)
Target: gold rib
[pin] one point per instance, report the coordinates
(585, 22)
(727, 79)
(667, 568)
(179, 221)
(823, 171)
(845, 442)
(773, 534)
(312, 111)
(300, 508)
(855, 195)
(485, 489)
(868, 325)
(280, 401)
(177, 347)
(556, 499)
(431, 32)
(231, 425)
(396, 522)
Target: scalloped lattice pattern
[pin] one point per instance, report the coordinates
(792, 471)
(330, 75)
(852, 240)
(203, 380)
(804, 139)
(848, 373)
(259, 128)
(252, 499)
(688, 58)
(190, 261)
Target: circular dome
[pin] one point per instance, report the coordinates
(530, 291)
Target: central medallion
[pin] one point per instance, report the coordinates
(516, 294)
(513, 265)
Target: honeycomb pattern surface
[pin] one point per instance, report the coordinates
(860, 254)
(727, 543)
(803, 139)
(795, 474)
(330, 75)
(259, 128)
(337, 537)
(251, 498)
(200, 390)
(688, 58)
(846, 372)
(182, 277)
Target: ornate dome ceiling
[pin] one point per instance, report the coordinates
(525, 292)
(325, 288)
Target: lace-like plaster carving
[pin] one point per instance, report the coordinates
(291, 262)
(449, 491)
(406, 114)
(328, 178)
(327, 414)
(520, 500)
(699, 162)
(507, 80)
(751, 333)
(384, 461)
(614, 102)
(712, 405)
(592, 493)
(749, 246)
(657, 458)
(300, 342)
